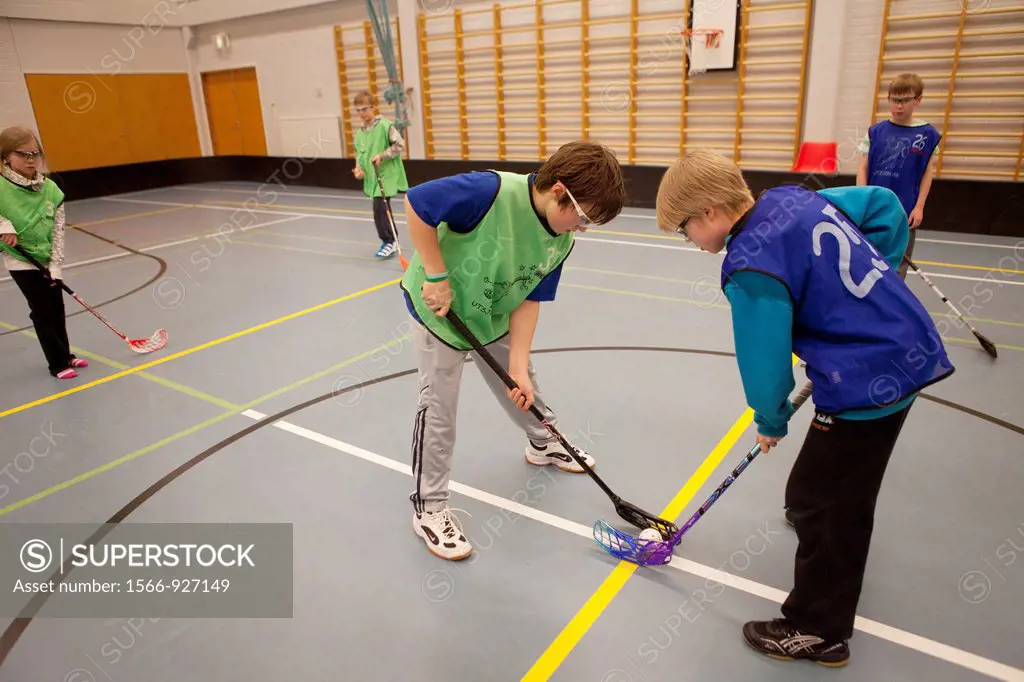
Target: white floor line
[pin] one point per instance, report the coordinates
(586, 239)
(147, 249)
(944, 652)
(937, 275)
(642, 216)
(254, 211)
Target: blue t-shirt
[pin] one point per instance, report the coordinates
(461, 201)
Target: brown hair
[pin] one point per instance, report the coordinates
(906, 84)
(592, 173)
(365, 97)
(698, 181)
(15, 136)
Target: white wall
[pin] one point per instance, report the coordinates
(15, 104)
(856, 77)
(296, 66)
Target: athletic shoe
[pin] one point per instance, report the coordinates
(442, 533)
(778, 639)
(79, 362)
(554, 453)
(66, 374)
(386, 250)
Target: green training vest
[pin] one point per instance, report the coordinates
(493, 268)
(375, 141)
(32, 213)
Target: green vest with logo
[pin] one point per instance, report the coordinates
(32, 214)
(493, 268)
(375, 141)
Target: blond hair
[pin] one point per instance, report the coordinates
(696, 182)
(364, 97)
(15, 136)
(906, 84)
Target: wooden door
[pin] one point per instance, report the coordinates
(235, 112)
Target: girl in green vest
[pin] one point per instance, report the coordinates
(32, 217)
(379, 148)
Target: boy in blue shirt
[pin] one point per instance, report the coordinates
(490, 246)
(899, 153)
(813, 274)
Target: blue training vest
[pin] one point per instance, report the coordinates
(898, 157)
(867, 341)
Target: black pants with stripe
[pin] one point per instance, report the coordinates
(380, 219)
(831, 497)
(46, 307)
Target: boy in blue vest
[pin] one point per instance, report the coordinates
(898, 153)
(490, 246)
(813, 274)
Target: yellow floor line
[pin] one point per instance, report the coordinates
(323, 209)
(115, 219)
(167, 383)
(562, 646)
(655, 297)
(967, 267)
(319, 252)
(189, 431)
(195, 349)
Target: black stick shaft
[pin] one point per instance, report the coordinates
(503, 375)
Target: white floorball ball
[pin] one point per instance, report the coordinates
(649, 535)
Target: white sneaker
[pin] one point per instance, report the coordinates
(442, 533)
(554, 453)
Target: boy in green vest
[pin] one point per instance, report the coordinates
(490, 246)
(379, 148)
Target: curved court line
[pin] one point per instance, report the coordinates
(18, 625)
(158, 275)
(194, 349)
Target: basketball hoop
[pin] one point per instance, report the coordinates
(697, 42)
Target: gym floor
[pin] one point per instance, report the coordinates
(287, 311)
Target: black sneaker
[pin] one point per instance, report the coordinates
(778, 639)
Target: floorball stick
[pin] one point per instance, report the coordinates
(628, 511)
(653, 552)
(155, 342)
(391, 219)
(989, 347)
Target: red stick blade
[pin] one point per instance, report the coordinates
(154, 343)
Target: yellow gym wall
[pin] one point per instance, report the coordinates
(971, 58)
(517, 79)
(86, 121)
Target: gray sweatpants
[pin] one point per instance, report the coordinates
(433, 440)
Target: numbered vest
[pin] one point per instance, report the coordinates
(898, 157)
(867, 340)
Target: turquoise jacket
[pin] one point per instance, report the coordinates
(762, 312)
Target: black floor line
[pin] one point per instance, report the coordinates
(18, 626)
(158, 275)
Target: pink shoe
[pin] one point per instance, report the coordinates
(67, 374)
(79, 362)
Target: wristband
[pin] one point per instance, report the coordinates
(438, 277)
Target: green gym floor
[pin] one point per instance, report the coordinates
(291, 331)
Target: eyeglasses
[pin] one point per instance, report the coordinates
(28, 156)
(584, 220)
(682, 228)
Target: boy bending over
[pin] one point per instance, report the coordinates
(813, 274)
